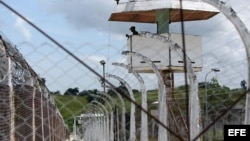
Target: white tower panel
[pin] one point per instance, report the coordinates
(162, 53)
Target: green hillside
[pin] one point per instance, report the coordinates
(73, 105)
(70, 106)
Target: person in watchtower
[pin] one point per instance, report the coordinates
(132, 29)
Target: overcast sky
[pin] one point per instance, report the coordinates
(77, 16)
(84, 23)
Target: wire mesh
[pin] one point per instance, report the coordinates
(47, 94)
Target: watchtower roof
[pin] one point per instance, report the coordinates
(145, 11)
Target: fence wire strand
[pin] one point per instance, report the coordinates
(61, 91)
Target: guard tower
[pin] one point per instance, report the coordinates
(157, 46)
(162, 13)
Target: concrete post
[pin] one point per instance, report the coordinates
(144, 116)
(123, 114)
(162, 132)
(132, 135)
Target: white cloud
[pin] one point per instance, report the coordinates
(20, 25)
(92, 14)
(82, 14)
(221, 44)
(96, 59)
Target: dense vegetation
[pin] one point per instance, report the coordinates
(73, 102)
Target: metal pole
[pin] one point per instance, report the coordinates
(193, 107)
(74, 128)
(245, 36)
(206, 101)
(102, 62)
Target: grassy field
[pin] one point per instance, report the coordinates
(71, 106)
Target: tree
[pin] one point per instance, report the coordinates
(55, 93)
(72, 91)
(121, 88)
(84, 93)
(243, 84)
(215, 83)
(135, 91)
(87, 94)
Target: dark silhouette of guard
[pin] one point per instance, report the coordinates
(117, 1)
(132, 29)
(134, 32)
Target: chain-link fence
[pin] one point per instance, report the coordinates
(135, 87)
(27, 110)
